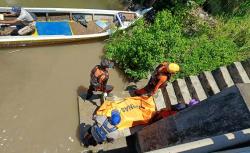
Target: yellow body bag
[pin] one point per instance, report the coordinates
(133, 110)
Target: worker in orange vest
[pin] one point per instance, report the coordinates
(159, 78)
(99, 77)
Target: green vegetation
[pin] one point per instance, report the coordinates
(179, 36)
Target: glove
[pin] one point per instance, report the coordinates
(105, 94)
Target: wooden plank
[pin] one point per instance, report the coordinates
(79, 29)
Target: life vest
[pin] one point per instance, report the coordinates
(100, 132)
(160, 71)
(96, 74)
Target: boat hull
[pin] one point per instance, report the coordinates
(94, 14)
(28, 43)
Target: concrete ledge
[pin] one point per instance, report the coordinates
(209, 144)
(244, 90)
(225, 112)
(239, 150)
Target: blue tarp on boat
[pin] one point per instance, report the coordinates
(53, 28)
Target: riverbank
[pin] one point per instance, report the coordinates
(183, 33)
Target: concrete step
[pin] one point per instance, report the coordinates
(242, 72)
(246, 66)
(222, 78)
(170, 96)
(208, 83)
(181, 90)
(191, 88)
(195, 88)
(159, 100)
(237, 73)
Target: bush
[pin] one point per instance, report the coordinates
(228, 7)
(138, 50)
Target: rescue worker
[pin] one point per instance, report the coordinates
(104, 129)
(159, 78)
(99, 77)
(25, 21)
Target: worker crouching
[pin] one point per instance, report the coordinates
(161, 75)
(99, 77)
(103, 130)
(24, 21)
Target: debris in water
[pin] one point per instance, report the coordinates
(4, 131)
(1, 144)
(15, 116)
(4, 139)
(71, 139)
(17, 50)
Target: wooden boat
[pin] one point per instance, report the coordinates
(56, 25)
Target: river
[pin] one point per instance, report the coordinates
(38, 88)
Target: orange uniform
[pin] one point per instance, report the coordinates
(158, 79)
(98, 81)
(98, 78)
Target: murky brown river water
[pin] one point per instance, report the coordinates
(38, 88)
